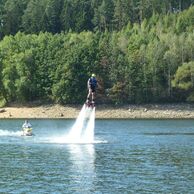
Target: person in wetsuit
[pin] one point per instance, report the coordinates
(92, 84)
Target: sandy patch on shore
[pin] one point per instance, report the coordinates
(169, 111)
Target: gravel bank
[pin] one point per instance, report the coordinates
(153, 111)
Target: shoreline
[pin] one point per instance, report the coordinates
(147, 111)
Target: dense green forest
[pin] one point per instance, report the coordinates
(142, 51)
(55, 16)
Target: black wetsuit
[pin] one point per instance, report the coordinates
(93, 83)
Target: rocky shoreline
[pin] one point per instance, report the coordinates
(148, 111)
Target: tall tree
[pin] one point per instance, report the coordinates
(13, 11)
(2, 15)
(184, 80)
(53, 11)
(67, 20)
(83, 13)
(123, 10)
(34, 19)
(103, 15)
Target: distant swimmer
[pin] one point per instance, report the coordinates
(27, 128)
(92, 85)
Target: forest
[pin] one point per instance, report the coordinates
(142, 51)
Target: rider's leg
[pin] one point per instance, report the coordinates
(89, 94)
(93, 96)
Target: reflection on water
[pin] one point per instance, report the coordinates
(82, 158)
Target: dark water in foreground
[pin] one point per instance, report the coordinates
(128, 156)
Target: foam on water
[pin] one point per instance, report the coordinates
(10, 133)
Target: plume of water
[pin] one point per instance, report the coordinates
(76, 130)
(88, 135)
(83, 129)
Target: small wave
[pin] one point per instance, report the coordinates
(170, 133)
(66, 140)
(10, 133)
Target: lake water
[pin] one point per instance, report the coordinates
(127, 156)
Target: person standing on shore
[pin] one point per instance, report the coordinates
(92, 84)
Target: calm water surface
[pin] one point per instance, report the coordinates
(128, 156)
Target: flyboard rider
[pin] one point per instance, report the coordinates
(92, 85)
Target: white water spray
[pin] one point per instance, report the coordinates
(10, 133)
(76, 130)
(88, 135)
(83, 129)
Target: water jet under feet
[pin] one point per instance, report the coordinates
(83, 129)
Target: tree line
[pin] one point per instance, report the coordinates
(147, 62)
(55, 16)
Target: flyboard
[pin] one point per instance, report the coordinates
(90, 104)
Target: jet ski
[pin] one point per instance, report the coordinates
(27, 131)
